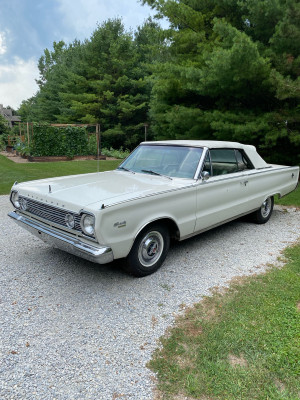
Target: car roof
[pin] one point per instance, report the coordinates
(211, 144)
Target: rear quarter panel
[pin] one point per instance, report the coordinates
(277, 180)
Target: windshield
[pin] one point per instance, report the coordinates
(172, 161)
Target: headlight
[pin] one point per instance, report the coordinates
(14, 198)
(70, 221)
(88, 224)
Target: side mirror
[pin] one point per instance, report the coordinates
(205, 175)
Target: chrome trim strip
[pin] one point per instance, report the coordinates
(156, 220)
(63, 241)
(200, 164)
(242, 174)
(150, 195)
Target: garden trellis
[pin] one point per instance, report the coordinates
(68, 140)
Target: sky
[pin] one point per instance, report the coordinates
(27, 27)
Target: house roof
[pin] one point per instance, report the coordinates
(7, 114)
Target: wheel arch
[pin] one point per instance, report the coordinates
(270, 196)
(278, 194)
(166, 221)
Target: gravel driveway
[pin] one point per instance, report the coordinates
(71, 329)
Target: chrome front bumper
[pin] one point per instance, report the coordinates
(64, 241)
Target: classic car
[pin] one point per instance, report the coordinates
(163, 190)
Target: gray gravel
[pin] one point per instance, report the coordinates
(71, 329)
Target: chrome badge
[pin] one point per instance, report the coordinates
(120, 224)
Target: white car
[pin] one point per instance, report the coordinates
(163, 190)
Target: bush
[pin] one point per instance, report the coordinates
(3, 141)
(115, 153)
(4, 129)
(55, 141)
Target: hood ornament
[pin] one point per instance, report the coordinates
(50, 189)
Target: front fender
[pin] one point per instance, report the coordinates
(119, 225)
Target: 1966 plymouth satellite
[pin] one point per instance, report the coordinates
(163, 190)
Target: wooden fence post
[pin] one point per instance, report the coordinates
(98, 133)
(28, 133)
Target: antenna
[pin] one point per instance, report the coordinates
(98, 146)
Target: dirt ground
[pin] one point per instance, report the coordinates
(14, 157)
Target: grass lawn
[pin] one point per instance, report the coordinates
(11, 171)
(292, 199)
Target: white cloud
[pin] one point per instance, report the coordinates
(3, 47)
(17, 81)
(82, 16)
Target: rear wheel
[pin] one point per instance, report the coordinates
(148, 251)
(263, 214)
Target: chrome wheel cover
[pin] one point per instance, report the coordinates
(266, 207)
(151, 248)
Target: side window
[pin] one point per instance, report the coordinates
(243, 161)
(223, 161)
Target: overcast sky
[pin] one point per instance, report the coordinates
(27, 27)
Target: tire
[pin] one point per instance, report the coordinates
(148, 251)
(263, 214)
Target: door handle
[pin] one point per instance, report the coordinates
(244, 183)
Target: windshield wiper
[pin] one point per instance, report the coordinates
(148, 171)
(126, 169)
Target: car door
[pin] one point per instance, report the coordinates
(224, 195)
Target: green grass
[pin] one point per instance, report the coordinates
(11, 171)
(244, 344)
(292, 199)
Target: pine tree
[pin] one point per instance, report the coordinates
(232, 74)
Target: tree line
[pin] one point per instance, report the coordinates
(223, 70)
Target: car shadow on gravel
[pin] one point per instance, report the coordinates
(85, 267)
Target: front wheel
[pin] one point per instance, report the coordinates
(263, 214)
(148, 251)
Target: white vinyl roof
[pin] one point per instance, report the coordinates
(250, 150)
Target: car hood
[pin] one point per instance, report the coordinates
(97, 189)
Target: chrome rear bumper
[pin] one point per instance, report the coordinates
(64, 241)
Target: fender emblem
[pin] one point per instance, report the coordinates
(120, 224)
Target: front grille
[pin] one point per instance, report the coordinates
(50, 213)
